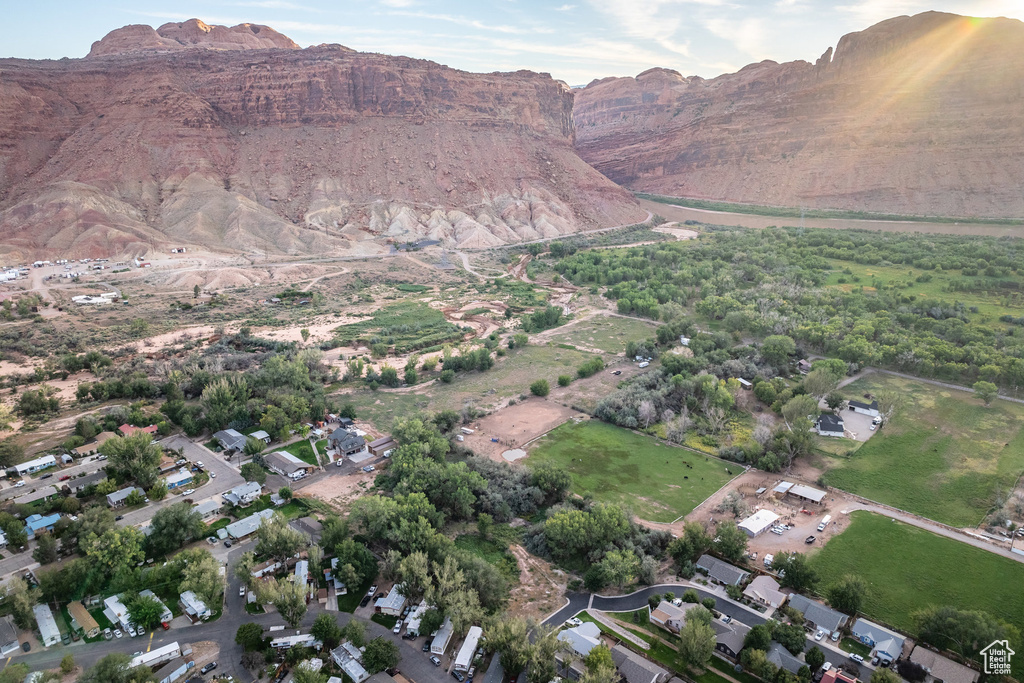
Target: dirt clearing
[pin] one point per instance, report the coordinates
(515, 425)
(540, 588)
(339, 490)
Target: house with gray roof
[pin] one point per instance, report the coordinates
(118, 498)
(721, 572)
(637, 669)
(780, 657)
(230, 439)
(581, 639)
(885, 644)
(246, 494)
(8, 636)
(48, 631)
(208, 508)
(79, 484)
(817, 614)
(942, 669)
(287, 465)
(249, 525)
(729, 637)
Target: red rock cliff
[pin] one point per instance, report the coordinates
(919, 115)
(284, 150)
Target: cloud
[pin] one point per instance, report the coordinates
(398, 3)
(868, 12)
(472, 23)
(565, 8)
(748, 36)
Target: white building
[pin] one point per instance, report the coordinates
(249, 525)
(155, 658)
(245, 494)
(297, 640)
(757, 523)
(48, 631)
(412, 623)
(301, 576)
(166, 615)
(115, 612)
(350, 660)
(33, 466)
(207, 509)
(391, 604)
(442, 637)
(464, 660)
(195, 608)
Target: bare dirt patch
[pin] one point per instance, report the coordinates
(515, 425)
(540, 588)
(676, 231)
(339, 490)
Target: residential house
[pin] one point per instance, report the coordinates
(837, 675)
(48, 631)
(392, 604)
(412, 622)
(81, 483)
(82, 621)
(207, 509)
(635, 668)
(830, 425)
(721, 572)
(167, 465)
(39, 494)
(32, 466)
(669, 616)
(337, 436)
(297, 640)
(174, 670)
(765, 590)
(266, 568)
(349, 446)
(261, 436)
(350, 660)
(287, 465)
(154, 658)
(230, 439)
(803, 366)
(757, 523)
(118, 498)
(194, 608)
(35, 524)
(729, 637)
(94, 445)
(3, 540)
(816, 614)
(780, 657)
(942, 669)
(464, 659)
(246, 494)
(301, 574)
(885, 644)
(581, 639)
(311, 526)
(331, 578)
(166, 615)
(382, 447)
(8, 636)
(442, 638)
(346, 422)
(870, 409)
(249, 525)
(129, 430)
(115, 612)
(179, 480)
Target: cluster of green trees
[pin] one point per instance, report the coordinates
(543, 319)
(772, 283)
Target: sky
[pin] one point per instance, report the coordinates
(574, 40)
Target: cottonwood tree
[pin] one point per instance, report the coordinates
(509, 637)
(819, 382)
(646, 412)
(600, 667)
(620, 567)
(201, 575)
(546, 646)
(136, 455)
(326, 630)
(253, 472)
(847, 595)
(276, 539)
(380, 654)
(795, 572)
(730, 542)
(144, 611)
(986, 391)
(696, 643)
(289, 599)
(963, 631)
(173, 527)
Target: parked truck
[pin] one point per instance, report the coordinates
(824, 522)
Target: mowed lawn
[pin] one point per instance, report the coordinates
(944, 456)
(615, 465)
(908, 569)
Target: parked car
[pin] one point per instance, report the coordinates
(65, 477)
(227, 543)
(365, 601)
(427, 644)
(373, 589)
(872, 427)
(616, 372)
(835, 637)
(181, 462)
(777, 531)
(644, 364)
(199, 463)
(19, 484)
(212, 540)
(118, 518)
(208, 668)
(26, 646)
(826, 666)
(726, 619)
(457, 675)
(434, 660)
(819, 635)
(809, 540)
(573, 622)
(117, 633)
(857, 658)
(241, 591)
(398, 628)
(339, 462)
(470, 673)
(108, 634)
(406, 611)
(47, 475)
(369, 468)
(188, 492)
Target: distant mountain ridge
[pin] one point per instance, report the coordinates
(236, 140)
(915, 115)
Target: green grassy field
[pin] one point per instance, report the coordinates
(609, 334)
(944, 455)
(907, 569)
(990, 305)
(493, 551)
(303, 451)
(616, 465)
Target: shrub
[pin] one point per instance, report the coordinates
(564, 380)
(540, 388)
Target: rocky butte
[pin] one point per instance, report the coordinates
(237, 140)
(915, 115)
